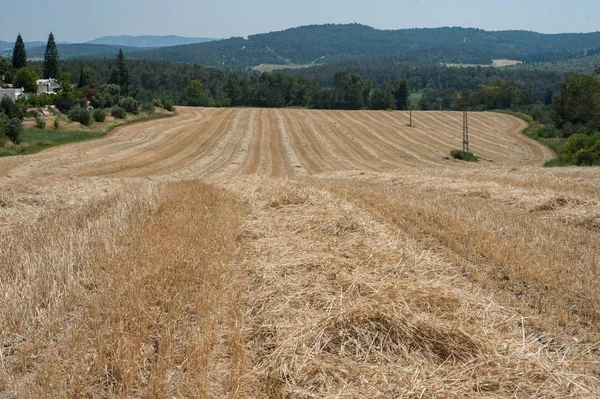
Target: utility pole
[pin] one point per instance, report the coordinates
(410, 117)
(465, 98)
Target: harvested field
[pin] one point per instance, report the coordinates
(255, 253)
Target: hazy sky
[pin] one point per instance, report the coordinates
(79, 21)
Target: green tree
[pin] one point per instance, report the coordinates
(120, 75)
(19, 57)
(66, 88)
(26, 78)
(195, 96)
(578, 101)
(5, 66)
(51, 58)
(402, 94)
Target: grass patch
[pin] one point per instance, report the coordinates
(35, 140)
(464, 156)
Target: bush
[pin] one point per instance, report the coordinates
(12, 127)
(56, 124)
(119, 113)
(13, 109)
(81, 115)
(547, 132)
(75, 113)
(574, 144)
(464, 156)
(2, 129)
(64, 104)
(168, 104)
(96, 102)
(148, 108)
(157, 103)
(129, 104)
(40, 123)
(99, 115)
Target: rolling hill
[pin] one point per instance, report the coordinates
(149, 40)
(6, 48)
(82, 50)
(420, 47)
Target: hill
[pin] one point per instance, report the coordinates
(83, 50)
(148, 40)
(329, 43)
(6, 48)
(583, 65)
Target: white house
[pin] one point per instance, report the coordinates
(11, 93)
(49, 86)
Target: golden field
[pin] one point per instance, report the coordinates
(252, 253)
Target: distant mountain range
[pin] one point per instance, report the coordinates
(103, 46)
(149, 41)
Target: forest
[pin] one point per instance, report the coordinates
(413, 47)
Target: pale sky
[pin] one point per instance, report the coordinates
(80, 21)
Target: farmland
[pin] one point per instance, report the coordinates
(257, 253)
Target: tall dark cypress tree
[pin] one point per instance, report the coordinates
(51, 59)
(19, 57)
(120, 75)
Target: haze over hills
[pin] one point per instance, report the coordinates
(330, 43)
(83, 50)
(7, 47)
(103, 46)
(149, 40)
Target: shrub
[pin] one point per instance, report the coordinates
(13, 109)
(157, 103)
(119, 113)
(547, 132)
(168, 104)
(96, 102)
(64, 104)
(86, 118)
(2, 129)
(14, 129)
(75, 113)
(99, 115)
(56, 124)
(589, 156)
(464, 156)
(81, 115)
(148, 108)
(574, 144)
(40, 123)
(129, 104)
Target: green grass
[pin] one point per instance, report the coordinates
(34, 140)
(51, 138)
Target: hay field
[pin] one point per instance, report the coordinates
(253, 253)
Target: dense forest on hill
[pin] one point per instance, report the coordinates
(434, 77)
(152, 78)
(416, 47)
